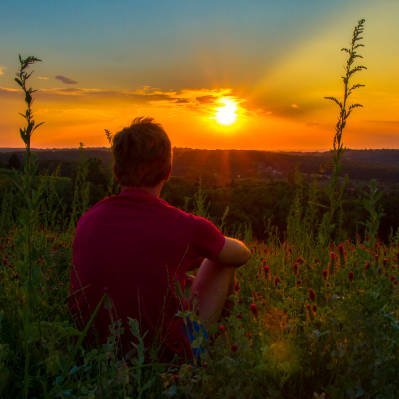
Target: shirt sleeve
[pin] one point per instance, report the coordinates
(207, 240)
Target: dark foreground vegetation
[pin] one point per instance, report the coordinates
(315, 312)
(254, 188)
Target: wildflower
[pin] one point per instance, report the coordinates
(351, 276)
(234, 348)
(333, 256)
(325, 273)
(311, 295)
(341, 251)
(237, 285)
(222, 328)
(266, 269)
(386, 261)
(299, 260)
(276, 281)
(367, 265)
(253, 308)
(314, 309)
(298, 283)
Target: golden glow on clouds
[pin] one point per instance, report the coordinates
(73, 115)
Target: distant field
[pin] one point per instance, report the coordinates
(224, 165)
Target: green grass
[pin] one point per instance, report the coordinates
(325, 323)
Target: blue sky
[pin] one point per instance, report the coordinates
(144, 42)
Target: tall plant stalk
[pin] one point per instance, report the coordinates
(332, 221)
(29, 214)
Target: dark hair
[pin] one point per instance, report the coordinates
(141, 153)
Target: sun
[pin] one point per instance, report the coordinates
(227, 113)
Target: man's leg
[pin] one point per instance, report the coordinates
(211, 287)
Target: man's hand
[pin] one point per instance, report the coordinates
(234, 253)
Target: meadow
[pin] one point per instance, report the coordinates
(315, 312)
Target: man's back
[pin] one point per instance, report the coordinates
(134, 248)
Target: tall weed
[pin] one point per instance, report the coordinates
(331, 224)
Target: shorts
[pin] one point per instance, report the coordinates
(197, 336)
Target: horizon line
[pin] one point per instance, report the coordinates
(9, 149)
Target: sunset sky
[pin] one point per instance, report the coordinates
(106, 62)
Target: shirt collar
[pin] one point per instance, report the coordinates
(138, 193)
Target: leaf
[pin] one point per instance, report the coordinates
(38, 125)
(18, 81)
(335, 100)
(356, 86)
(353, 106)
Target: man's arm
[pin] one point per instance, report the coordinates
(234, 253)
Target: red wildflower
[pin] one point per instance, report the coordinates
(253, 308)
(298, 283)
(308, 306)
(234, 348)
(325, 273)
(311, 294)
(237, 285)
(266, 269)
(222, 328)
(367, 265)
(341, 249)
(314, 308)
(333, 256)
(277, 281)
(299, 260)
(351, 276)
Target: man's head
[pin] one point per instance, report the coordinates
(142, 154)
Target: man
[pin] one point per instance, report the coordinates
(132, 250)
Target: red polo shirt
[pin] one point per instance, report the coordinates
(135, 248)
